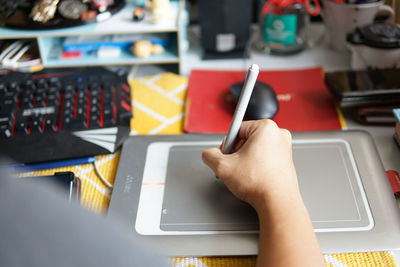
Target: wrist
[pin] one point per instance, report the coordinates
(278, 201)
(282, 187)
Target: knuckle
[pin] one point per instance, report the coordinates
(207, 154)
(267, 124)
(264, 123)
(220, 167)
(287, 134)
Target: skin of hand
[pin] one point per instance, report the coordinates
(263, 151)
(261, 172)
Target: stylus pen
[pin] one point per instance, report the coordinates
(244, 98)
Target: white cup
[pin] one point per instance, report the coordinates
(363, 57)
(375, 46)
(340, 19)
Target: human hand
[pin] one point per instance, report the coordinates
(261, 168)
(261, 171)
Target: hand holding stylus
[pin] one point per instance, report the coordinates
(260, 171)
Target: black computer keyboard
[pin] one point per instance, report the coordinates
(60, 114)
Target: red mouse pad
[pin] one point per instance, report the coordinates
(305, 103)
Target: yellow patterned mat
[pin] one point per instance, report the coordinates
(95, 195)
(159, 104)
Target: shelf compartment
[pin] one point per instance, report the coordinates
(51, 48)
(124, 59)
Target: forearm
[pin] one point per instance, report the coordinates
(286, 234)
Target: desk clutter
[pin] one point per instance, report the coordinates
(345, 17)
(112, 46)
(66, 182)
(370, 94)
(161, 104)
(22, 55)
(136, 34)
(52, 14)
(95, 194)
(396, 135)
(62, 113)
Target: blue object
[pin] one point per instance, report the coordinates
(396, 113)
(91, 47)
(54, 164)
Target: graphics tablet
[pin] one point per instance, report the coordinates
(166, 194)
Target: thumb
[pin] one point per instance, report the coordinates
(212, 157)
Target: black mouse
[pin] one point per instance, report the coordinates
(263, 101)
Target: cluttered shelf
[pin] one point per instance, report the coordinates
(163, 46)
(119, 23)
